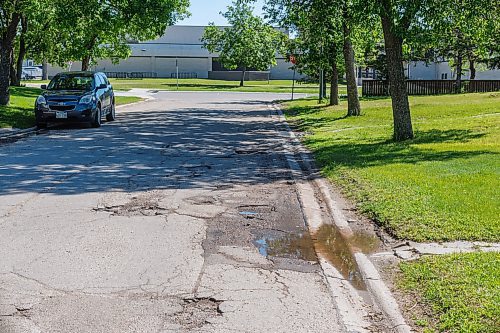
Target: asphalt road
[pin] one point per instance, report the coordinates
(181, 216)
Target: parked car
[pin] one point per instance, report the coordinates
(32, 72)
(76, 97)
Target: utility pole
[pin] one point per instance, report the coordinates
(293, 60)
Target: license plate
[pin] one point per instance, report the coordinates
(61, 115)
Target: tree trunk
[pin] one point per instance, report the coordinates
(403, 129)
(85, 63)
(458, 78)
(14, 82)
(45, 70)
(243, 72)
(353, 106)
(22, 50)
(6, 48)
(334, 85)
(472, 65)
(321, 84)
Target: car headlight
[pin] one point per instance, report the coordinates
(87, 99)
(41, 101)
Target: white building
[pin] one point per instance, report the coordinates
(179, 45)
(420, 70)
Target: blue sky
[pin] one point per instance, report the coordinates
(205, 11)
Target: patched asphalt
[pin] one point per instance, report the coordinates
(181, 216)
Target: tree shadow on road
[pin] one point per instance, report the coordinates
(186, 148)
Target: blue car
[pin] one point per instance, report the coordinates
(76, 97)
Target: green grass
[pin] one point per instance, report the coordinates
(441, 186)
(123, 100)
(19, 113)
(461, 291)
(275, 86)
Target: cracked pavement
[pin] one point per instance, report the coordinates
(156, 223)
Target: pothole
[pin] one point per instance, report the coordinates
(202, 200)
(145, 205)
(252, 151)
(197, 312)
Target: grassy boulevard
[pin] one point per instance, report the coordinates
(443, 186)
(19, 114)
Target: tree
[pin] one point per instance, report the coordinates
(86, 30)
(469, 33)
(324, 30)
(399, 19)
(248, 43)
(37, 36)
(317, 44)
(10, 16)
(348, 24)
(95, 29)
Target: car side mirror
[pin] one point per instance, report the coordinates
(43, 86)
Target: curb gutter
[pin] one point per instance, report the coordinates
(380, 293)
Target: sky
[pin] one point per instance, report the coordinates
(205, 11)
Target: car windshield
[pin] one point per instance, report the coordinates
(72, 82)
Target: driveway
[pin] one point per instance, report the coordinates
(181, 216)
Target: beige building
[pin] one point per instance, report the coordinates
(180, 45)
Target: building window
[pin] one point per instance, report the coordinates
(444, 76)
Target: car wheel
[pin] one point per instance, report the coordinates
(97, 118)
(111, 116)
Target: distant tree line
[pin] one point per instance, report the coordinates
(60, 31)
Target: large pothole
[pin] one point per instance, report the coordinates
(197, 312)
(141, 205)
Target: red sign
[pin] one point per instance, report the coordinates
(293, 60)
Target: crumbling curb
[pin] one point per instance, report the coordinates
(380, 293)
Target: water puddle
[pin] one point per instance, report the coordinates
(339, 251)
(292, 246)
(329, 243)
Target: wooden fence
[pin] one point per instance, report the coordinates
(430, 87)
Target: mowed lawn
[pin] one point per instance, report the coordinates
(442, 186)
(274, 86)
(19, 113)
(461, 292)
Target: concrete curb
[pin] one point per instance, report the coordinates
(380, 293)
(14, 133)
